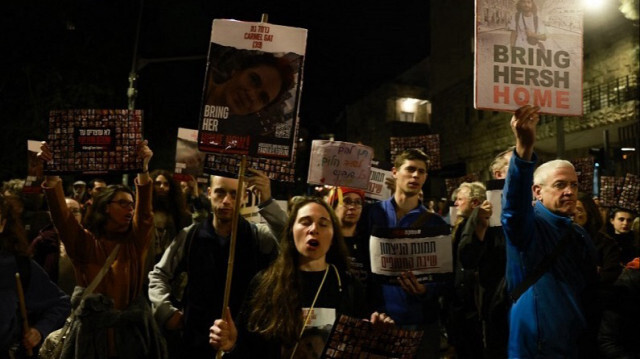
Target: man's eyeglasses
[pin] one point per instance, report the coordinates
(123, 203)
(75, 210)
(349, 202)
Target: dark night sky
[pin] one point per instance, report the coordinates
(352, 47)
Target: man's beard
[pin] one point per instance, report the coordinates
(162, 203)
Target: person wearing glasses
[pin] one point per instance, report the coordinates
(550, 319)
(348, 208)
(116, 319)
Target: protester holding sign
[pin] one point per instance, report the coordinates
(310, 276)
(551, 268)
(120, 319)
(477, 326)
(410, 303)
(202, 252)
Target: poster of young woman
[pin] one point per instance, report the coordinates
(252, 89)
(529, 52)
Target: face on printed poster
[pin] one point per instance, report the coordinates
(530, 55)
(252, 88)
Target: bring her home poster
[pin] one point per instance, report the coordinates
(252, 89)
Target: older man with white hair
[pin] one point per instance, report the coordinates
(550, 261)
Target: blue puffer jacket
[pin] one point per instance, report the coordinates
(548, 319)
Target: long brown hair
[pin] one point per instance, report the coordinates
(175, 203)
(275, 307)
(13, 238)
(594, 222)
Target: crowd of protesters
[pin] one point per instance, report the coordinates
(555, 279)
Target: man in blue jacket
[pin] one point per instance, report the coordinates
(410, 303)
(550, 319)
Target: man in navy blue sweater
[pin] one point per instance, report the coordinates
(410, 304)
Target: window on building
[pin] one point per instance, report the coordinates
(412, 110)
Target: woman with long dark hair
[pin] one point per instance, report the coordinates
(311, 272)
(170, 214)
(608, 260)
(116, 319)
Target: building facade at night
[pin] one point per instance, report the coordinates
(443, 85)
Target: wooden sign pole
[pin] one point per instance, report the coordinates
(234, 235)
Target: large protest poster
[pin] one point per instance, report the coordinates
(94, 141)
(529, 53)
(424, 251)
(429, 144)
(378, 189)
(336, 163)
(356, 338)
(252, 89)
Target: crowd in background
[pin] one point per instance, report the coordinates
(162, 297)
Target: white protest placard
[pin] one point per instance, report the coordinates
(529, 53)
(377, 189)
(338, 163)
(396, 250)
(494, 195)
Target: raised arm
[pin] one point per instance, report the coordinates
(71, 233)
(145, 153)
(523, 125)
(517, 211)
(274, 215)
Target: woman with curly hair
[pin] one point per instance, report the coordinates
(116, 319)
(311, 273)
